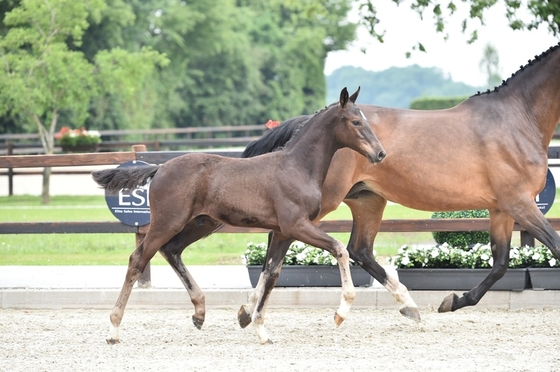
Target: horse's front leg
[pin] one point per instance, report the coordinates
(367, 212)
(308, 233)
(501, 227)
(254, 311)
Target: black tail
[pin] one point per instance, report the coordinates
(275, 138)
(114, 180)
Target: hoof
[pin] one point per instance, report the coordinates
(448, 303)
(268, 342)
(243, 317)
(197, 322)
(112, 341)
(411, 313)
(338, 319)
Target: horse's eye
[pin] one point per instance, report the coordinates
(356, 123)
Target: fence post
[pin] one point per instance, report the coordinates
(145, 280)
(10, 151)
(526, 239)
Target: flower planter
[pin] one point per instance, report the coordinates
(80, 148)
(312, 276)
(460, 279)
(544, 277)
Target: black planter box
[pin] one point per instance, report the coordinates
(544, 277)
(461, 279)
(312, 276)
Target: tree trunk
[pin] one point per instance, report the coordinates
(45, 195)
(47, 139)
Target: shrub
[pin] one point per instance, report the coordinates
(461, 239)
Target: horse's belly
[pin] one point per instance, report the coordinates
(434, 194)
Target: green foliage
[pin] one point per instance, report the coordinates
(231, 63)
(462, 239)
(442, 14)
(435, 103)
(43, 76)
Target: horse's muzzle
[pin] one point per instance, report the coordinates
(377, 158)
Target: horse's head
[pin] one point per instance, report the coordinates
(355, 131)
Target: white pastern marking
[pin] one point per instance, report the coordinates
(113, 332)
(399, 292)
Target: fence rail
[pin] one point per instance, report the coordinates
(154, 139)
(90, 227)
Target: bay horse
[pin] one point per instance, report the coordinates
(488, 152)
(279, 191)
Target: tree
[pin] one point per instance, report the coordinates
(490, 64)
(42, 77)
(547, 12)
(232, 62)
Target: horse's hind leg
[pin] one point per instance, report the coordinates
(367, 211)
(195, 230)
(135, 267)
(532, 219)
(157, 235)
(501, 227)
(255, 311)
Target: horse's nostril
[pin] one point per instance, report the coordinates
(381, 155)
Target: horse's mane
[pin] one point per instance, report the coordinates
(276, 138)
(537, 58)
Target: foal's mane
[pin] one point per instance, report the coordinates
(275, 138)
(531, 62)
(279, 137)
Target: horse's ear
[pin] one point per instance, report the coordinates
(354, 96)
(343, 97)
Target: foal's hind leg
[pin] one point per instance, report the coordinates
(195, 230)
(367, 212)
(157, 235)
(258, 300)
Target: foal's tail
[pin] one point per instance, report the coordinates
(114, 180)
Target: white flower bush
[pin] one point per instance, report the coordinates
(298, 254)
(477, 257)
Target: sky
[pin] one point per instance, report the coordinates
(457, 59)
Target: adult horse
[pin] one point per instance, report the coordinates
(280, 191)
(488, 152)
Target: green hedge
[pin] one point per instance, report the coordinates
(435, 103)
(462, 239)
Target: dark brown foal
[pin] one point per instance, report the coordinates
(280, 191)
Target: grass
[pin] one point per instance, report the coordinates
(114, 249)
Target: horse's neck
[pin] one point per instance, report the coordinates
(537, 85)
(313, 149)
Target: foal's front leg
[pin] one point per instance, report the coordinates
(307, 232)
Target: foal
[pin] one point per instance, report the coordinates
(279, 191)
